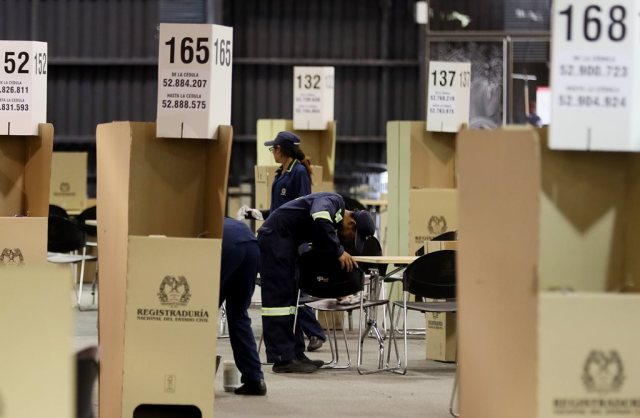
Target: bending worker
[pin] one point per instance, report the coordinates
(240, 263)
(320, 219)
(292, 180)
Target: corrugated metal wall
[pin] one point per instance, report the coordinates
(374, 46)
(103, 54)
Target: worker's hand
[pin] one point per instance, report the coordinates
(245, 212)
(347, 262)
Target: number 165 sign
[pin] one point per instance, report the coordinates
(595, 75)
(194, 80)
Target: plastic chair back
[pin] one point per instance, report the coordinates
(55, 210)
(322, 277)
(88, 213)
(372, 247)
(64, 236)
(432, 275)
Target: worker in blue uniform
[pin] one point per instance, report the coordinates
(292, 180)
(240, 264)
(319, 219)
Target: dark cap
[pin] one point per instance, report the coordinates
(284, 138)
(365, 227)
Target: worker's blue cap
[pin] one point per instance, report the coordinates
(284, 139)
(365, 227)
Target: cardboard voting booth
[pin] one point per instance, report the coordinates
(160, 229)
(36, 320)
(25, 167)
(35, 305)
(432, 212)
(416, 159)
(549, 242)
(319, 146)
(69, 180)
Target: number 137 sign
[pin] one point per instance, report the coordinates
(448, 96)
(595, 75)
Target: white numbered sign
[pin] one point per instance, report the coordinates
(194, 80)
(23, 87)
(595, 75)
(448, 95)
(313, 89)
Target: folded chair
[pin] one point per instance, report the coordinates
(66, 244)
(431, 276)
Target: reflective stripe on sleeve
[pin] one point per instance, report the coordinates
(323, 214)
(283, 311)
(338, 216)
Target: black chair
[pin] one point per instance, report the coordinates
(431, 276)
(352, 204)
(55, 210)
(66, 244)
(87, 214)
(321, 276)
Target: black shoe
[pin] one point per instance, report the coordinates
(307, 360)
(294, 366)
(314, 343)
(258, 388)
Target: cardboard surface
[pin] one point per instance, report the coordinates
(431, 246)
(589, 203)
(319, 146)
(416, 159)
(431, 212)
(497, 300)
(36, 320)
(25, 170)
(23, 241)
(441, 336)
(172, 302)
(139, 174)
(535, 220)
(69, 180)
(589, 363)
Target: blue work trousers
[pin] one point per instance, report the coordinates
(279, 295)
(237, 284)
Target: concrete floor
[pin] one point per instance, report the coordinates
(424, 391)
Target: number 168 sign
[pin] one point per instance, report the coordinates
(595, 75)
(194, 80)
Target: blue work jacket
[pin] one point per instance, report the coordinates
(290, 184)
(314, 218)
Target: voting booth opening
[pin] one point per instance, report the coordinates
(160, 269)
(25, 169)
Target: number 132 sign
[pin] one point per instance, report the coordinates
(194, 80)
(595, 75)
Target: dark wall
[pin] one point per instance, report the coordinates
(103, 57)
